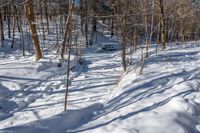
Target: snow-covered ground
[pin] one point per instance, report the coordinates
(166, 98)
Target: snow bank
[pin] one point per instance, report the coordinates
(58, 124)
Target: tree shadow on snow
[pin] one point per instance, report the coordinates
(140, 92)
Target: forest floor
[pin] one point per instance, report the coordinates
(102, 99)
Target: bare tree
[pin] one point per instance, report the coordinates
(67, 39)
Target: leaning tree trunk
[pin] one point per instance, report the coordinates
(31, 20)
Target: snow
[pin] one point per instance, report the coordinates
(69, 120)
(160, 100)
(102, 99)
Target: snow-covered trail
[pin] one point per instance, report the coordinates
(99, 76)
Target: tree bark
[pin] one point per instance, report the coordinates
(123, 41)
(31, 20)
(163, 32)
(1, 27)
(68, 39)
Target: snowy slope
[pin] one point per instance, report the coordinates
(64, 121)
(90, 83)
(24, 80)
(165, 99)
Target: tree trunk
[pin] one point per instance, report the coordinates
(163, 32)
(31, 21)
(1, 27)
(146, 32)
(94, 27)
(112, 23)
(13, 35)
(8, 18)
(68, 39)
(123, 41)
(46, 15)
